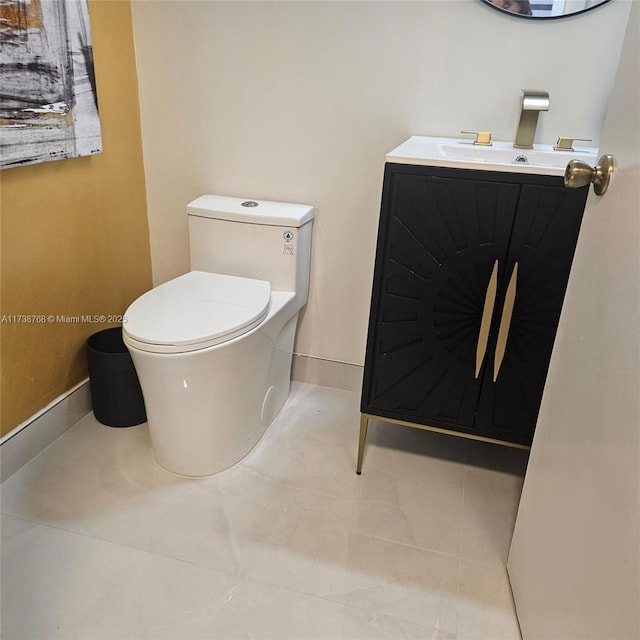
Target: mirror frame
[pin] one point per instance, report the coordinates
(519, 15)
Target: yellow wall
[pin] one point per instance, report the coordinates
(74, 235)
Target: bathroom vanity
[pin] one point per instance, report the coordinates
(473, 256)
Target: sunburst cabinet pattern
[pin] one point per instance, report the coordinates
(456, 246)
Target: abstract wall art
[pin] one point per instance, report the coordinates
(48, 99)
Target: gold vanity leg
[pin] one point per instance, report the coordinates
(364, 422)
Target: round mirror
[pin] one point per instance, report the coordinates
(544, 8)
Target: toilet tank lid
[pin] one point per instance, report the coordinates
(280, 214)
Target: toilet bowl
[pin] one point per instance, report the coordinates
(212, 348)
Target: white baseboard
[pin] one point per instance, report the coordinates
(34, 435)
(327, 373)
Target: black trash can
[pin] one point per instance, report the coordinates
(115, 391)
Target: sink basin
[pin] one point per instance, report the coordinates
(501, 156)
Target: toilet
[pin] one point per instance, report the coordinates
(212, 348)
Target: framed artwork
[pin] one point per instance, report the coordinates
(48, 99)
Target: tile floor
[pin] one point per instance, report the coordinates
(99, 542)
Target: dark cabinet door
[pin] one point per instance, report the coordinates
(470, 275)
(439, 242)
(541, 251)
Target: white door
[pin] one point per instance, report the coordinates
(574, 563)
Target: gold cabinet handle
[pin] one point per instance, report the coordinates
(487, 312)
(505, 322)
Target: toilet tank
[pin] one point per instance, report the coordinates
(253, 239)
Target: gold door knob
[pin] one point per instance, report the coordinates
(579, 173)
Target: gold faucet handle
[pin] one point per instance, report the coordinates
(566, 144)
(482, 137)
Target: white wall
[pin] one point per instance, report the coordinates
(300, 101)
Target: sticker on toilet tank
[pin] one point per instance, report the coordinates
(287, 248)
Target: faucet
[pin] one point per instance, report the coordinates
(532, 103)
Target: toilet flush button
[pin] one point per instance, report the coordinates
(249, 203)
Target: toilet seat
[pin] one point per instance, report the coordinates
(196, 311)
